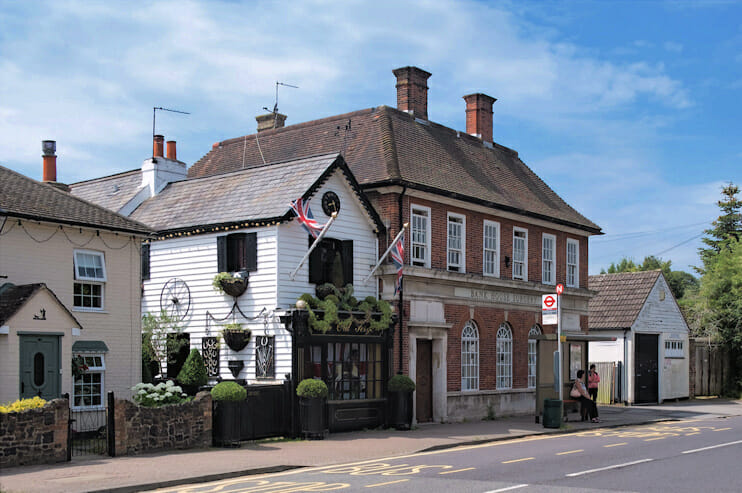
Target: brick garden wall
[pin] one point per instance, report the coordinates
(149, 429)
(36, 436)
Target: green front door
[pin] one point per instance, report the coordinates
(40, 366)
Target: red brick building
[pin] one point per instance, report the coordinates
(487, 237)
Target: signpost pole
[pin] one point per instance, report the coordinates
(559, 290)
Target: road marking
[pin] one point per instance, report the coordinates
(722, 429)
(652, 439)
(711, 447)
(570, 452)
(617, 466)
(509, 488)
(384, 484)
(457, 470)
(517, 460)
(694, 433)
(616, 444)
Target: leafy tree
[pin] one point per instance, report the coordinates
(727, 227)
(156, 346)
(678, 280)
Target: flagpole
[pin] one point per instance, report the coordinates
(316, 242)
(396, 239)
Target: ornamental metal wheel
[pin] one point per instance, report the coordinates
(175, 299)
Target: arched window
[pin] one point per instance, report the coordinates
(535, 331)
(470, 356)
(504, 357)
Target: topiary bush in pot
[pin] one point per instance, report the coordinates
(400, 388)
(229, 404)
(193, 374)
(312, 407)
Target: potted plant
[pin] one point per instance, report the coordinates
(312, 399)
(231, 284)
(193, 374)
(400, 389)
(236, 336)
(228, 403)
(338, 309)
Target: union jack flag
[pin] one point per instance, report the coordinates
(397, 256)
(305, 216)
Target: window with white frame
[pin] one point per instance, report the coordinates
(420, 237)
(491, 257)
(504, 366)
(548, 250)
(520, 254)
(88, 387)
(456, 242)
(573, 263)
(90, 278)
(674, 349)
(532, 334)
(470, 357)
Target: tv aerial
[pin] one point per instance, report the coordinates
(275, 105)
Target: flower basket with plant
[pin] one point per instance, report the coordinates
(193, 374)
(338, 309)
(78, 367)
(230, 408)
(400, 389)
(236, 336)
(230, 284)
(312, 413)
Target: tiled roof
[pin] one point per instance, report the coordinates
(254, 194)
(12, 299)
(23, 197)
(619, 298)
(386, 146)
(111, 192)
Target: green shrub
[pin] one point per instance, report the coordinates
(311, 388)
(194, 370)
(401, 383)
(22, 405)
(228, 391)
(162, 394)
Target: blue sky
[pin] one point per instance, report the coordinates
(629, 110)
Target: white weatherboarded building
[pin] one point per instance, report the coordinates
(242, 221)
(639, 310)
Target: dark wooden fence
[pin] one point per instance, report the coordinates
(709, 363)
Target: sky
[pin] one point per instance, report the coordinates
(629, 110)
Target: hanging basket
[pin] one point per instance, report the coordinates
(234, 286)
(236, 339)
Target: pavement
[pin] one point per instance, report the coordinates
(172, 468)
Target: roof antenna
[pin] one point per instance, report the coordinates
(347, 130)
(275, 105)
(154, 116)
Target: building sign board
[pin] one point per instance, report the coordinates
(549, 307)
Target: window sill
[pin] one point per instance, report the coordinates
(88, 408)
(89, 310)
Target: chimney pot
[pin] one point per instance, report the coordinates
(49, 148)
(157, 146)
(270, 121)
(479, 115)
(412, 91)
(171, 154)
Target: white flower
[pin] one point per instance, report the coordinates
(169, 383)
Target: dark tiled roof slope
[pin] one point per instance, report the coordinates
(385, 145)
(619, 298)
(111, 192)
(13, 297)
(253, 194)
(23, 197)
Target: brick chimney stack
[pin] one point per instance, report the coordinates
(157, 146)
(412, 91)
(49, 149)
(171, 154)
(479, 116)
(270, 121)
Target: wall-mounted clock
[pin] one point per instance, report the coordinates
(330, 203)
(175, 298)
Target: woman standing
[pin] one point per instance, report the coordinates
(593, 379)
(584, 397)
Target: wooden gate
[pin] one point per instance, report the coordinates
(268, 412)
(710, 362)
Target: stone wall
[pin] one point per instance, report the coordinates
(36, 436)
(149, 429)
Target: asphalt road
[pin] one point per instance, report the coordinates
(693, 455)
